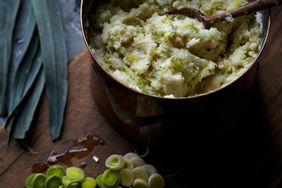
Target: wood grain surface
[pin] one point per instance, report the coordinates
(241, 146)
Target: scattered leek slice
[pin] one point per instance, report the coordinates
(128, 164)
(39, 181)
(115, 162)
(140, 173)
(75, 173)
(8, 13)
(54, 54)
(28, 181)
(137, 161)
(53, 182)
(140, 183)
(88, 182)
(66, 180)
(73, 185)
(156, 181)
(70, 183)
(144, 176)
(126, 177)
(130, 155)
(110, 178)
(57, 170)
(100, 182)
(150, 169)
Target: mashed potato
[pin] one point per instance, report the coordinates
(173, 55)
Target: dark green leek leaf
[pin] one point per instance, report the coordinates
(22, 92)
(25, 73)
(8, 14)
(54, 55)
(24, 119)
(24, 29)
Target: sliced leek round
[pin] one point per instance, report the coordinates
(150, 169)
(140, 173)
(156, 181)
(128, 164)
(115, 162)
(66, 180)
(100, 181)
(57, 170)
(73, 185)
(53, 181)
(140, 183)
(38, 181)
(75, 173)
(126, 177)
(137, 162)
(110, 178)
(131, 155)
(88, 182)
(28, 181)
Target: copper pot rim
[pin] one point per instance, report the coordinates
(197, 96)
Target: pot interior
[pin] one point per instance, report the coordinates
(89, 6)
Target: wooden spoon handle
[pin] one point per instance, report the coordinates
(246, 9)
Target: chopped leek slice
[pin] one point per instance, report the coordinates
(57, 170)
(53, 181)
(140, 173)
(88, 182)
(75, 173)
(115, 162)
(139, 183)
(126, 177)
(39, 181)
(156, 181)
(110, 178)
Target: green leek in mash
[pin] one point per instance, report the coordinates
(173, 55)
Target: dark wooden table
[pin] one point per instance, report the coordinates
(240, 147)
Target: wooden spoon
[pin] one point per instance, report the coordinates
(251, 7)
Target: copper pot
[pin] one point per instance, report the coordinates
(141, 116)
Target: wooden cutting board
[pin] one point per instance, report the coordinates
(246, 155)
